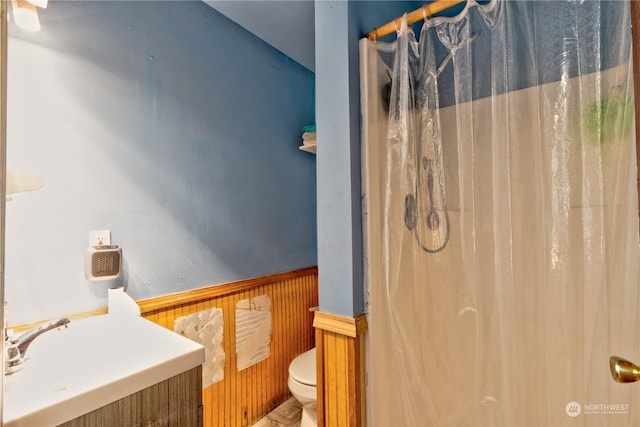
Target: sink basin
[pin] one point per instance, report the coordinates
(91, 363)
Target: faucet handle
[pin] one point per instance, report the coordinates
(13, 358)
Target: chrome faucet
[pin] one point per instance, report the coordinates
(16, 348)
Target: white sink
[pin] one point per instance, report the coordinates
(91, 363)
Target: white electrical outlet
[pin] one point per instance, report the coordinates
(100, 238)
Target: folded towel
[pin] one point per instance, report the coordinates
(309, 128)
(309, 138)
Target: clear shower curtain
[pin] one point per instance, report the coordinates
(501, 218)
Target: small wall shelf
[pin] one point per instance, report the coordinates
(311, 148)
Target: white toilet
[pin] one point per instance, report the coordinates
(302, 385)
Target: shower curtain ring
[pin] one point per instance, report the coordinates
(424, 13)
(395, 24)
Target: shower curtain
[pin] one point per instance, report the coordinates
(501, 217)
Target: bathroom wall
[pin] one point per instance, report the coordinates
(339, 25)
(167, 124)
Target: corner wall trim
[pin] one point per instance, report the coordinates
(340, 370)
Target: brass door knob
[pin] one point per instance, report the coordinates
(623, 371)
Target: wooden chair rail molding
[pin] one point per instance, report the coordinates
(149, 305)
(343, 325)
(187, 297)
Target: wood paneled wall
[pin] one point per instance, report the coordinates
(244, 397)
(340, 370)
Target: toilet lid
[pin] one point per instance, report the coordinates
(303, 368)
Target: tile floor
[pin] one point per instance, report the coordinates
(286, 415)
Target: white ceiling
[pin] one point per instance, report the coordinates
(287, 25)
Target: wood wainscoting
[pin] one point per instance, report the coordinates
(242, 398)
(340, 370)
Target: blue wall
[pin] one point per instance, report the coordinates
(167, 124)
(339, 25)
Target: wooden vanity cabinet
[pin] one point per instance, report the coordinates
(175, 402)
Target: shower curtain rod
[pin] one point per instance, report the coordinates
(419, 14)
